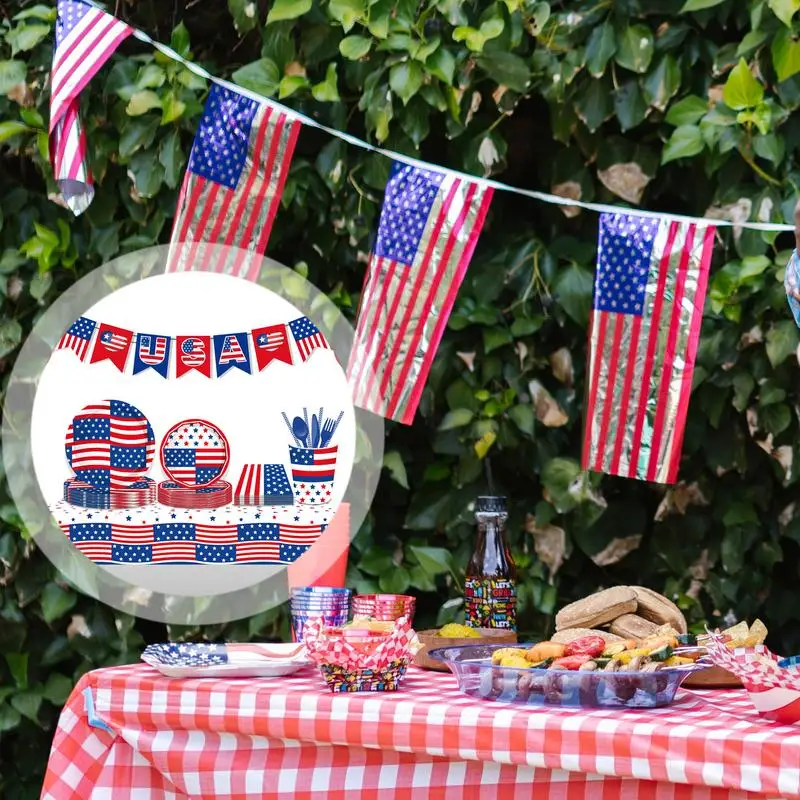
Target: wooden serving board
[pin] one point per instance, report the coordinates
(431, 641)
(712, 678)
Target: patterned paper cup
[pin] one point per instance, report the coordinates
(313, 469)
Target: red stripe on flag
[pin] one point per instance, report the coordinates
(652, 341)
(368, 335)
(691, 353)
(669, 355)
(630, 357)
(591, 395)
(609, 398)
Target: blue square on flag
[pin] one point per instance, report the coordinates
(132, 553)
(291, 552)
(258, 532)
(91, 429)
(179, 456)
(99, 478)
(129, 457)
(407, 203)
(301, 455)
(206, 474)
(216, 553)
(625, 249)
(174, 532)
(220, 146)
(90, 532)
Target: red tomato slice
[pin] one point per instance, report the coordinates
(586, 645)
(570, 662)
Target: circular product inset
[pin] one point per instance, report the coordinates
(214, 495)
(194, 453)
(140, 493)
(110, 445)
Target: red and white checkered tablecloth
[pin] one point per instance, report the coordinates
(129, 733)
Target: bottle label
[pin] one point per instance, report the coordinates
(490, 603)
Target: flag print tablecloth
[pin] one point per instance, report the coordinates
(127, 733)
(161, 534)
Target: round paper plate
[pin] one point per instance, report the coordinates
(110, 445)
(194, 453)
(141, 493)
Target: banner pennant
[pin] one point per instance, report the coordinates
(231, 350)
(193, 353)
(112, 344)
(152, 352)
(271, 344)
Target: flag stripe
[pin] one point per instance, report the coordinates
(428, 297)
(597, 325)
(611, 363)
(373, 294)
(691, 350)
(627, 388)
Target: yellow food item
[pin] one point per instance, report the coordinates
(454, 631)
(614, 648)
(499, 654)
(627, 656)
(543, 651)
(738, 632)
(367, 624)
(517, 661)
(677, 661)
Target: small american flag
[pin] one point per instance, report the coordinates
(85, 38)
(78, 336)
(430, 224)
(649, 291)
(233, 185)
(307, 337)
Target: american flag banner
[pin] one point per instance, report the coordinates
(307, 337)
(231, 350)
(110, 445)
(85, 37)
(188, 542)
(151, 352)
(194, 453)
(193, 352)
(429, 227)
(112, 344)
(233, 185)
(271, 344)
(78, 336)
(649, 291)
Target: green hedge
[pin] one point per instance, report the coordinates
(635, 101)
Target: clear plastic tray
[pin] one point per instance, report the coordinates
(478, 677)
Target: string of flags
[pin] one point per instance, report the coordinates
(254, 350)
(643, 342)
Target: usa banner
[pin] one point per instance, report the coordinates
(271, 344)
(112, 345)
(151, 352)
(193, 353)
(231, 350)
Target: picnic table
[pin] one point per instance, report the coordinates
(128, 732)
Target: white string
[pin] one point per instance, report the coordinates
(543, 197)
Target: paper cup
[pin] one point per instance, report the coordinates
(313, 470)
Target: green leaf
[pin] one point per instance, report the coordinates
(151, 76)
(28, 704)
(9, 717)
(782, 341)
(142, 102)
(433, 560)
(769, 146)
(663, 82)
(492, 28)
(686, 141)
(523, 418)
(751, 41)
(327, 91)
(635, 48)
(18, 666)
(376, 561)
(10, 336)
(26, 37)
(56, 601)
(11, 128)
(594, 105)
(346, 12)
(12, 74)
(507, 69)
(742, 90)
(57, 689)
(600, 48)
(355, 47)
(629, 105)
(244, 13)
(46, 13)
(170, 156)
(395, 580)
(775, 419)
(473, 38)
(171, 108)
(784, 10)
(496, 337)
(40, 285)
(405, 79)
(785, 55)
(457, 418)
(147, 174)
(393, 461)
(687, 111)
(260, 76)
(287, 9)
(573, 287)
(442, 65)
(290, 84)
(699, 5)
(137, 134)
(179, 40)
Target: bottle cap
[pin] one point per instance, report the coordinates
(491, 504)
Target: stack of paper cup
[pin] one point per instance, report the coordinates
(384, 607)
(330, 604)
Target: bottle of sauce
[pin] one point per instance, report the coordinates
(490, 588)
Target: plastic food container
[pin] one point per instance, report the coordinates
(478, 677)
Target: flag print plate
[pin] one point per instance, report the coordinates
(141, 493)
(203, 660)
(215, 495)
(110, 445)
(194, 453)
